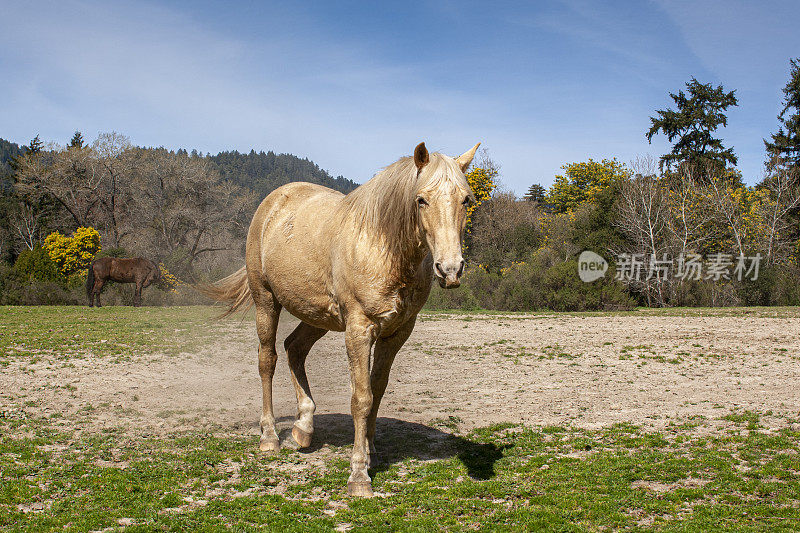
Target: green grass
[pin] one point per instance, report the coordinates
(70, 331)
(502, 477)
(732, 473)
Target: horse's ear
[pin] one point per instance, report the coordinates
(465, 159)
(421, 156)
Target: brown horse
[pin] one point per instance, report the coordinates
(362, 264)
(138, 270)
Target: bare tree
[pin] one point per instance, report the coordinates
(111, 151)
(783, 197)
(505, 230)
(643, 216)
(27, 223)
(729, 209)
(186, 209)
(69, 176)
(691, 216)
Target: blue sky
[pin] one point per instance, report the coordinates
(355, 85)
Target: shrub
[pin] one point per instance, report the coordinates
(542, 283)
(776, 285)
(73, 254)
(35, 280)
(36, 265)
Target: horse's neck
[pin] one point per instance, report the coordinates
(406, 266)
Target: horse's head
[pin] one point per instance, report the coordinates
(442, 198)
(154, 276)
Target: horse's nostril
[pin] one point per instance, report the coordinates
(440, 271)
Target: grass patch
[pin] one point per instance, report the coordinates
(71, 331)
(503, 477)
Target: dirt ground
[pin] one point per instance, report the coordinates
(461, 371)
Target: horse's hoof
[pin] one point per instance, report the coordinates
(302, 438)
(359, 489)
(269, 445)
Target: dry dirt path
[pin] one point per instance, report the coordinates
(465, 370)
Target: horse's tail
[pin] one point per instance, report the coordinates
(234, 291)
(90, 282)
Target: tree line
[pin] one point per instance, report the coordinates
(190, 211)
(688, 206)
(186, 210)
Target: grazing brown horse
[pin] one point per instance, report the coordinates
(138, 270)
(362, 264)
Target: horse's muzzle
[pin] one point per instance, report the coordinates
(448, 273)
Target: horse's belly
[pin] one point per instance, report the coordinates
(295, 259)
(308, 300)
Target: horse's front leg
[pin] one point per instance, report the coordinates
(385, 350)
(359, 337)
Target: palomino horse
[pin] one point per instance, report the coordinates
(138, 270)
(362, 264)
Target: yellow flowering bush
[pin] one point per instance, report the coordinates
(583, 182)
(73, 254)
(483, 182)
(169, 283)
(754, 205)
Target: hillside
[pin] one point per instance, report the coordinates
(261, 172)
(264, 172)
(8, 151)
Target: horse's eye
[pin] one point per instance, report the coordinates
(421, 201)
(466, 201)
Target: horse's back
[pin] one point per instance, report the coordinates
(123, 269)
(288, 250)
(292, 213)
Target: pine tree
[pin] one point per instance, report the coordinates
(33, 148)
(785, 144)
(77, 140)
(35, 145)
(698, 115)
(535, 193)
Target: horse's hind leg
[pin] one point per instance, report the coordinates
(98, 286)
(297, 345)
(267, 312)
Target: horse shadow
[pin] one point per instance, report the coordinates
(397, 440)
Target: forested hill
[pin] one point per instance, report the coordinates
(265, 172)
(8, 151)
(258, 171)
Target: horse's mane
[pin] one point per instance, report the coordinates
(385, 207)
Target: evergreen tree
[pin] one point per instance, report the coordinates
(35, 145)
(699, 113)
(33, 148)
(785, 144)
(77, 140)
(535, 193)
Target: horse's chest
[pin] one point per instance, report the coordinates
(399, 308)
